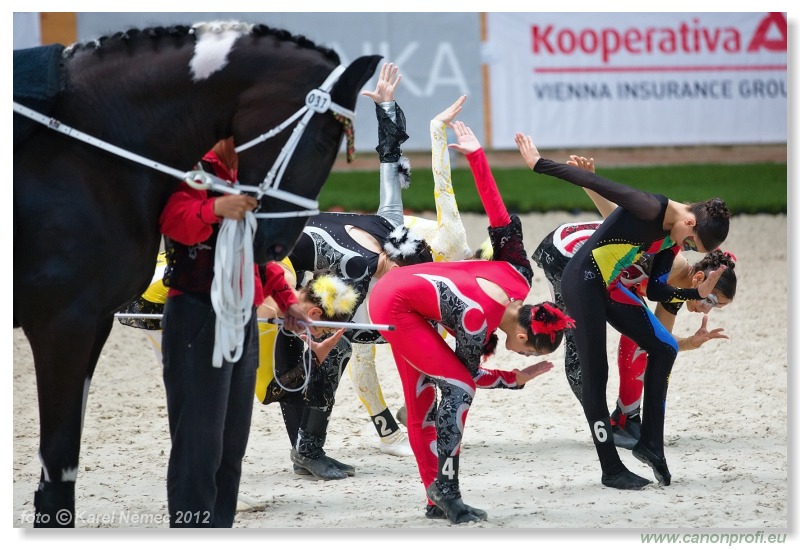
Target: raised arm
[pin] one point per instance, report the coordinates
(469, 145)
(446, 234)
(505, 232)
(645, 206)
(391, 134)
(450, 238)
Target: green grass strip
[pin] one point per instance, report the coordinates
(746, 188)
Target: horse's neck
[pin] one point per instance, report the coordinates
(158, 113)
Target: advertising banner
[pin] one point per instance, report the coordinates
(637, 79)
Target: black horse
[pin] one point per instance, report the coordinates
(86, 219)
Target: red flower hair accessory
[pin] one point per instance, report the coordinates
(555, 321)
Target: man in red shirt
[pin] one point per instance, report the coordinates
(209, 407)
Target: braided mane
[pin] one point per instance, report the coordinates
(181, 33)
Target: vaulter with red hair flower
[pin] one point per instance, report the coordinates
(471, 300)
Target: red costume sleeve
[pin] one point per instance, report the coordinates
(496, 378)
(276, 287)
(487, 189)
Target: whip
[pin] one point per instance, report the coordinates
(277, 321)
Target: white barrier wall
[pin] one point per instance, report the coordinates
(614, 79)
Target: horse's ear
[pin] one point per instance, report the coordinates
(353, 79)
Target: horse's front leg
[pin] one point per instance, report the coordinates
(65, 355)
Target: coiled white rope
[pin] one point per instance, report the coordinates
(308, 363)
(233, 287)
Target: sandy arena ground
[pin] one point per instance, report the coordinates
(527, 456)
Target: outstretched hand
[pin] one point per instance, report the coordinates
(323, 348)
(529, 373)
(581, 162)
(703, 335)
(387, 83)
(467, 142)
(530, 154)
(448, 115)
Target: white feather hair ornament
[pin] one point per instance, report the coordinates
(401, 243)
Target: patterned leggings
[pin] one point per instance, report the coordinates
(425, 362)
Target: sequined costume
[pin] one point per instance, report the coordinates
(417, 298)
(594, 295)
(552, 255)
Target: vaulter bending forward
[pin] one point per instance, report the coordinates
(471, 300)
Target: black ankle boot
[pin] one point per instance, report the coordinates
(346, 468)
(625, 480)
(308, 453)
(320, 467)
(659, 464)
(299, 470)
(434, 512)
(626, 428)
(453, 507)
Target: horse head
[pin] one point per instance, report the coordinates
(282, 215)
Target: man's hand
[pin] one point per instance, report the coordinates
(296, 319)
(234, 206)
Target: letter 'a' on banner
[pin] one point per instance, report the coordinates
(639, 79)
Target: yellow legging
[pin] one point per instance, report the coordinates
(267, 334)
(361, 369)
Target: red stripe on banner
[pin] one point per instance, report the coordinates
(675, 69)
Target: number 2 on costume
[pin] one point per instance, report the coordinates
(383, 428)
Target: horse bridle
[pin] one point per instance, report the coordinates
(317, 101)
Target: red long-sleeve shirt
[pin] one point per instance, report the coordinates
(188, 218)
